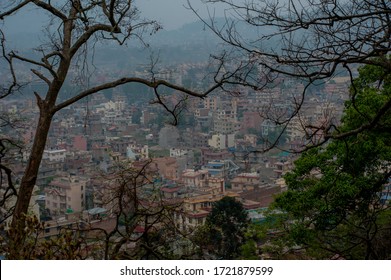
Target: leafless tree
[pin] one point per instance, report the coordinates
(135, 202)
(10, 149)
(75, 25)
(143, 225)
(138, 223)
(310, 40)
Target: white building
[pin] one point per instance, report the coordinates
(55, 155)
(174, 152)
(135, 152)
(222, 141)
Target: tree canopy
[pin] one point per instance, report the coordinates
(338, 195)
(225, 226)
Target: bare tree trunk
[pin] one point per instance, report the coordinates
(30, 175)
(78, 22)
(46, 113)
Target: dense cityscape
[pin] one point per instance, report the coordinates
(190, 151)
(210, 154)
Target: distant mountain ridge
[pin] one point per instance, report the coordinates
(193, 42)
(190, 33)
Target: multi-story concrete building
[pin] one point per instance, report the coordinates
(194, 178)
(195, 139)
(136, 152)
(66, 194)
(245, 182)
(174, 152)
(202, 116)
(225, 122)
(212, 102)
(222, 141)
(282, 167)
(167, 167)
(208, 154)
(54, 155)
(221, 168)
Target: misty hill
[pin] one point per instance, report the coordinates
(192, 42)
(199, 34)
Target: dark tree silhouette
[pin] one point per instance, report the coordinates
(309, 40)
(226, 226)
(75, 27)
(338, 196)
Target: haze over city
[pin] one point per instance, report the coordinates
(172, 14)
(262, 132)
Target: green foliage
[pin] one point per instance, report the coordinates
(332, 206)
(254, 235)
(225, 227)
(249, 250)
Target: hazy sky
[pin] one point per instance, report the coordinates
(171, 13)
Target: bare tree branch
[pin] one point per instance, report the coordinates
(14, 9)
(311, 40)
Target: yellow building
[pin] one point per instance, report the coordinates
(66, 194)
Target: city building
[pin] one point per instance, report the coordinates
(66, 194)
